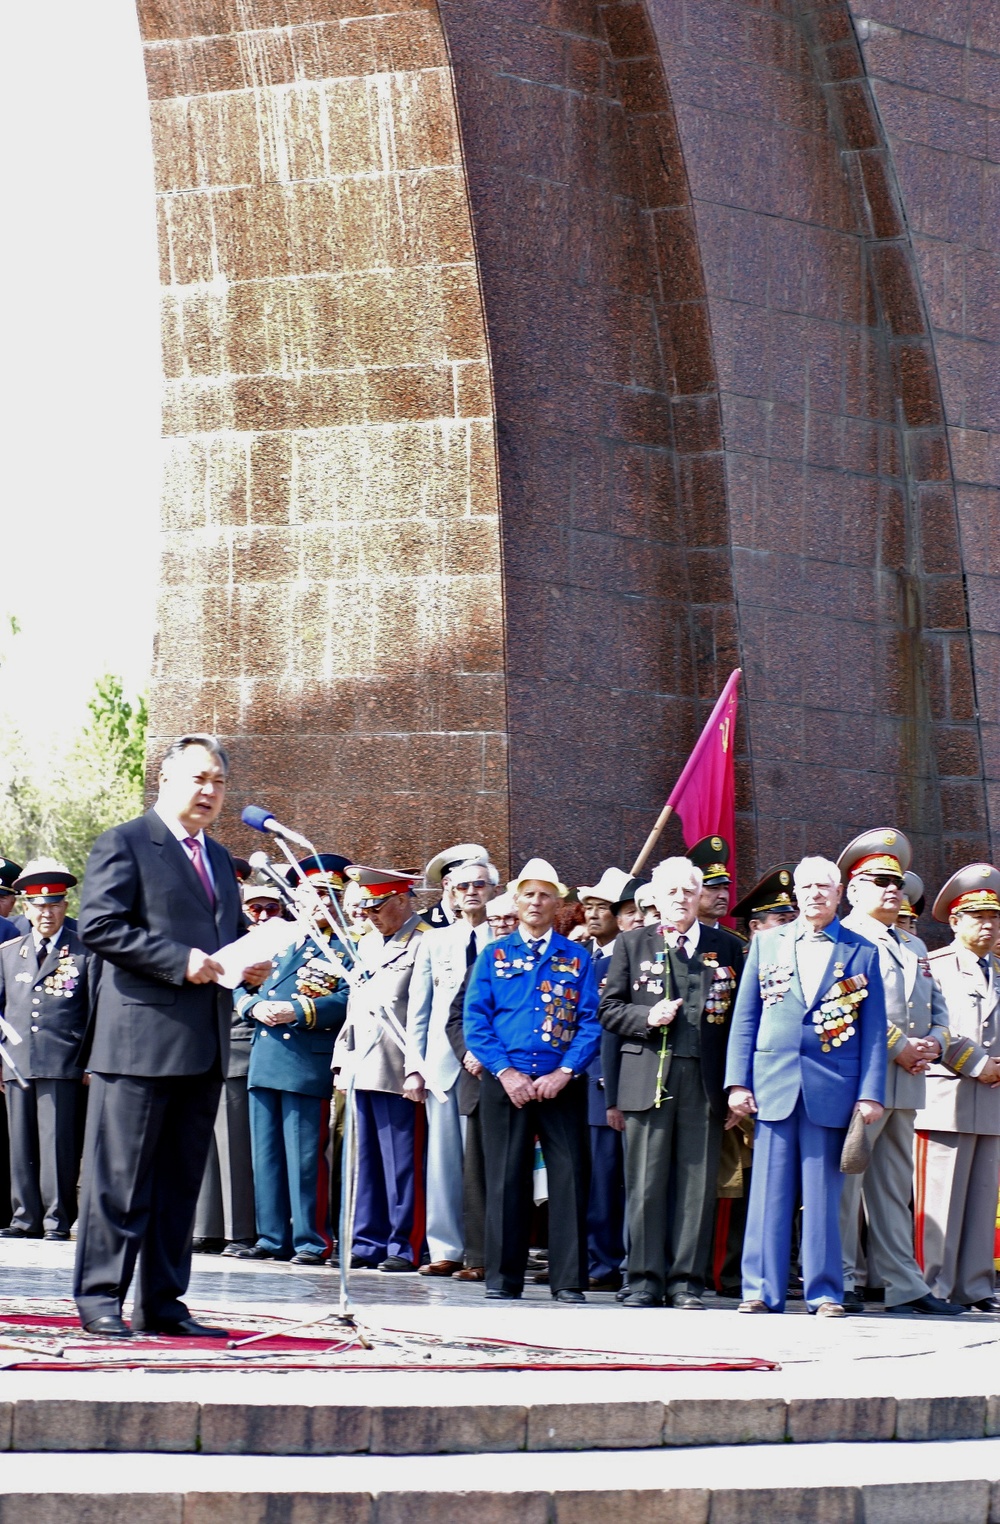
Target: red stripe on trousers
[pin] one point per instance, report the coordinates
(723, 1216)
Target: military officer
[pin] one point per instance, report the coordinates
(769, 902)
(711, 855)
(48, 983)
(9, 872)
(437, 875)
(668, 997)
(911, 905)
(296, 1014)
(807, 1050)
(957, 1162)
(389, 1216)
(531, 1021)
(873, 865)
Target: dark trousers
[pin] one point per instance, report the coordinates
(669, 1253)
(225, 1203)
(144, 1157)
(288, 1136)
(389, 1207)
(606, 1207)
(474, 1192)
(44, 1154)
(509, 1136)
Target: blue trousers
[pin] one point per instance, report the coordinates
(287, 1141)
(786, 1154)
(606, 1207)
(389, 1209)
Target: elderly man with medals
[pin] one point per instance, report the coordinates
(531, 1021)
(807, 1052)
(668, 997)
(295, 1014)
(958, 1128)
(873, 865)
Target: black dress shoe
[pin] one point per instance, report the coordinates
(610, 1282)
(930, 1306)
(641, 1299)
(237, 1249)
(307, 1257)
(363, 1264)
(208, 1245)
(185, 1328)
(256, 1251)
(686, 1299)
(111, 1326)
(988, 1304)
(853, 1301)
(17, 1233)
(567, 1294)
(624, 1294)
(395, 1264)
(56, 1238)
(501, 1294)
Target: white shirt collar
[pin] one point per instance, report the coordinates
(544, 940)
(691, 937)
(178, 831)
(51, 940)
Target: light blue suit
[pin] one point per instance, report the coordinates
(805, 1097)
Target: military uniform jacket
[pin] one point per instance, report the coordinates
(532, 1014)
(643, 972)
(597, 1100)
(364, 1045)
(296, 1055)
(438, 971)
(832, 1052)
(914, 1006)
(8, 930)
(955, 1101)
(49, 1007)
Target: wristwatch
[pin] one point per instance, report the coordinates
(567, 1070)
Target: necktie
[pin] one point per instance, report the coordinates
(536, 946)
(43, 951)
(984, 964)
(198, 864)
(681, 948)
(471, 950)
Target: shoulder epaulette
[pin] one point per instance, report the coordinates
(940, 952)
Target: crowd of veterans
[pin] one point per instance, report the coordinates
(603, 1089)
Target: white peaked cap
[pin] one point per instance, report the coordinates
(610, 887)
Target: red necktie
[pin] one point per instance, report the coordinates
(198, 864)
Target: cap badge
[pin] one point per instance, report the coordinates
(716, 844)
(784, 877)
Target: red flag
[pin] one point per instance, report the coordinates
(704, 795)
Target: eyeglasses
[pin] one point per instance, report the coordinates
(883, 880)
(479, 883)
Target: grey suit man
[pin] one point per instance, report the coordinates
(917, 1033)
(439, 969)
(958, 1128)
(159, 898)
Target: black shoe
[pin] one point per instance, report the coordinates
(501, 1294)
(641, 1299)
(624, 1294)
(686, 1300)
(185, 1328)
(567, 1294)
(395, 1264)
(307, 1257)
(111, 1326)
(610, 1282)
(237, 1249)
(256, 1251)
(56, 1238)
(17, 1233)
(208, 1245)
(363, 1264)
(853, 1302)
(931, 1306)
(988, 1304)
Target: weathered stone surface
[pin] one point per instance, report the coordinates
(286, 1429)
(594, 1426)
(451, 1430)
(722, 1421)
(75, 1425)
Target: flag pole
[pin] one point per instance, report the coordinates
(652, 839)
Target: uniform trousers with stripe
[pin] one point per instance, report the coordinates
(886, 1184)
(44, 1154)
(389, 1206)
(288, 1145)
(509, 1134)
(785, 1154)
(955, 1196)
(445, 1232)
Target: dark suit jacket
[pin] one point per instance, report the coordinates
(625, 1007)
(469, 1087)
(51, 1031)
(143, 909)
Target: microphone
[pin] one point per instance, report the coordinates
(261, 863)
(259, 819)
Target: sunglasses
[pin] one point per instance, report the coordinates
(883, 880)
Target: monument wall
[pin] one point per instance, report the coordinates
(531, 363)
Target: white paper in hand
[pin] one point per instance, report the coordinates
(259, 945)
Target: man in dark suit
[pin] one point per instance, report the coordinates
(48, 983)
(668, 996)
(159, 899)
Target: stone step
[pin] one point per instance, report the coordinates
(435, 1413)
(942, 1483)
